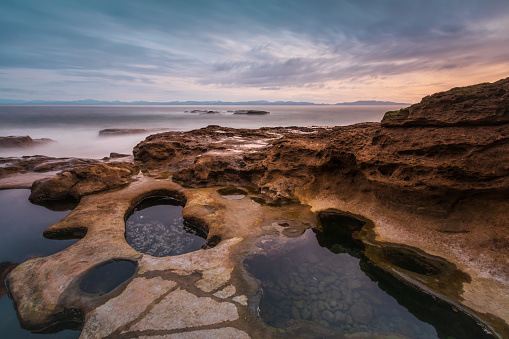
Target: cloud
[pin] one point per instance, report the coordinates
(267, 44)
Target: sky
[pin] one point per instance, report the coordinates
(323, 51)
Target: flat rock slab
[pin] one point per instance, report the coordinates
(194, 293)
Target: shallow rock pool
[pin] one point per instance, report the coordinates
(156, 227)
(322, 280)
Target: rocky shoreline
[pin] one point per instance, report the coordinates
(432, 178)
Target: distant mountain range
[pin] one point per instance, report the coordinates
(189, 103)
(371, 102)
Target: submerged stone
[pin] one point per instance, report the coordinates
(327, 272)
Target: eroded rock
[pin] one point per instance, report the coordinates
(82, 180)
(477, 105)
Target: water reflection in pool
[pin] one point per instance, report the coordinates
(335, 287)
(106, 277)
(21, 227)
(157, 227)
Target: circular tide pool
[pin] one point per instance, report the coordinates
(157, 227)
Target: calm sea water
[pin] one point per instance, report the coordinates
(21, 227)
(76, 128)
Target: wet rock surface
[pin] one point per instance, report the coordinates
(199, 291)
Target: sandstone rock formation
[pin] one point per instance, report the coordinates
(82, 180)
(432, 179)
(482, 104)
(436, 178)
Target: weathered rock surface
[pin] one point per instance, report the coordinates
(482, 104)
(82, 180)
(22, 141)
(424, 169)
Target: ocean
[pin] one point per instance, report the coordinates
(76, 128)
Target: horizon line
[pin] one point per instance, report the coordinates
(190, 102)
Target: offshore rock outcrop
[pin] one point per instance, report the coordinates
(109, 132)
(22, 141)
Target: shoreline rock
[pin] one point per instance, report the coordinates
(83, 180)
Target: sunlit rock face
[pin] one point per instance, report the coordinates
(477, 105)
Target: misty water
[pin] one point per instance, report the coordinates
(76, 128)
